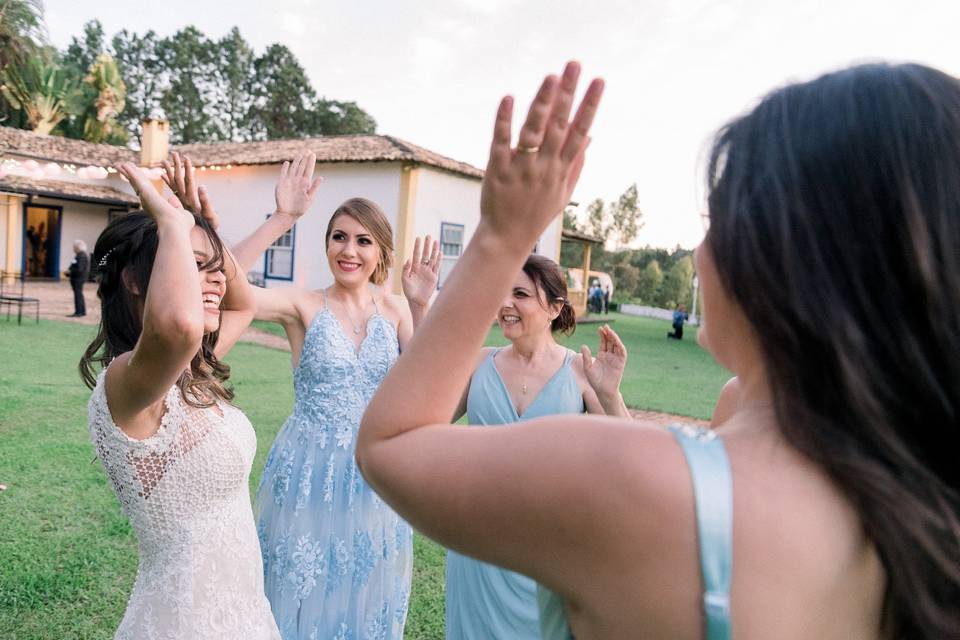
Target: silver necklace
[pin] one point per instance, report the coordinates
(357, 328)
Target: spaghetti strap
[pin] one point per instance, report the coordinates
(713, 495)
(323, 292)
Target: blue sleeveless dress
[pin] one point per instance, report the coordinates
(485, 602)
(713, 495)
(337, 560)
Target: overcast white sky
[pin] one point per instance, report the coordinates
(432, 72)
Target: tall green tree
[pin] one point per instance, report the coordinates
(282, 96)
(626, 217)
(677, 285)
(235, 74)
(648, 284)
(598, 219)
(332, 117)
(145, 74)
(189, 59)
(22, 30)
(83, 51)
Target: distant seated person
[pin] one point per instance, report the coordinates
(679, 317)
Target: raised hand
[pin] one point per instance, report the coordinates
(297, 187)
(153, 203)
(180, 178)
(525, 188)
(421, 272)
(605, 373)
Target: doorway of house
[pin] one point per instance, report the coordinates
(41, 241)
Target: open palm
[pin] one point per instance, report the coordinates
(605, 373)
(422, 271)
(297, 188)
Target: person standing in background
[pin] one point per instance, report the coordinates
(78, 272)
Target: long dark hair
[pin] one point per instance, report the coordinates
(835, 225)
(548, 277)
(129, 243)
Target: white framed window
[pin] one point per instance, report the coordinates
(451, 248)
(278, 260)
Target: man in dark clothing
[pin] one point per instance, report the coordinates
(679, 317)
(78, 273)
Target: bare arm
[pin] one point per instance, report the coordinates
(295, 192)
(493, 493)
(172, 315)
(238, 304)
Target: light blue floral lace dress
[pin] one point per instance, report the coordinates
(337, 560)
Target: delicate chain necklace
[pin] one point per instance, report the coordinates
(357, 328)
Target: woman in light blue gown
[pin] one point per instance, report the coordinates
(532, 378)
(337, 560)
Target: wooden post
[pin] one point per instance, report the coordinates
(406, 219)
(14, 234)
(587, 248)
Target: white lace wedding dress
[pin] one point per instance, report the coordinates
(185, 491)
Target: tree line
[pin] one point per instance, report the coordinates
(649, 276)
(100, 89)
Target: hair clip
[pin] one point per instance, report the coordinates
(103, 260)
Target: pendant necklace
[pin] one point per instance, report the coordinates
(523, 388)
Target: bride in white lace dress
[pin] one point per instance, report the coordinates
(177, 453)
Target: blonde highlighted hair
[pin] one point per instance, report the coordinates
(369, 214)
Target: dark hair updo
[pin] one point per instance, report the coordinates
(548, 278)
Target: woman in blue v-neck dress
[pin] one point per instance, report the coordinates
(337, 560)
(531, 378)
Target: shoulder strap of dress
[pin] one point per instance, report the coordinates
(323, 292)
(713, 493)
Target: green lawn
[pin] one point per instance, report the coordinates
(67, 554)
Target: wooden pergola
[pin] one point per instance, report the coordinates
(578, 297)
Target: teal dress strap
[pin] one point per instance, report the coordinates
(713, 494)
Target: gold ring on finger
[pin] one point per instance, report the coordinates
(525, 149)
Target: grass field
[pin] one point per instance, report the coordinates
(67, 554)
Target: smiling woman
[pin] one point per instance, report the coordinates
(337, 561)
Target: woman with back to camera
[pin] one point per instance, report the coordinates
(531, 378)
(177, 452)
(337, 560)
(826, 506)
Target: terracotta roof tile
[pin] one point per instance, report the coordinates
(349, 148)
(60, 149)
(68, 190)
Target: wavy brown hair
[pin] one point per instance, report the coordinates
(129, 244)
(835, 224)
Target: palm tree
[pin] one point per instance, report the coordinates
(21, 29)
(42, 90)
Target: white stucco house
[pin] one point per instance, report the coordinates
(69, 188)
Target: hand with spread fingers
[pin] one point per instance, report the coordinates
(422, 272)
(153, 203)
(527, 187)
(606, 371)
(180, 177)
(297, 188)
